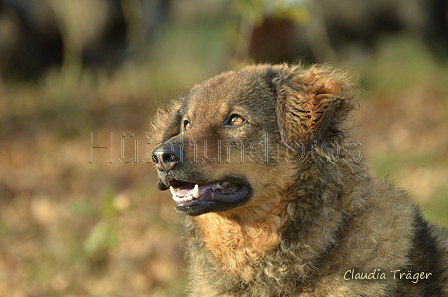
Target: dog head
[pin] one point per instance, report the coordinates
(238, 137)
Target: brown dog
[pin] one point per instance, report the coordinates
(274, 198)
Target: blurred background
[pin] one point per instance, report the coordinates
(81, 80)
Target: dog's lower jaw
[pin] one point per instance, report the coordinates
(207, 202)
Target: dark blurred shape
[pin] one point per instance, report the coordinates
(29, 40)
(36, 35)
(275, 41)
(340, 30)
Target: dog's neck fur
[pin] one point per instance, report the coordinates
(237, 240)
(237, 246)
(225, 250)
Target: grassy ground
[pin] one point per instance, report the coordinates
(77, 221)
(404, 120)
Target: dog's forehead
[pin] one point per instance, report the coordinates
(221, 94)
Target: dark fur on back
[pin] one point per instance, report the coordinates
(316, 222)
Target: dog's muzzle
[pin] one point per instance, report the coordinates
(192, 193)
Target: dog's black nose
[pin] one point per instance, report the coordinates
(166, 157)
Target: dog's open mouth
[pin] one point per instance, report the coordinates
(196, 198)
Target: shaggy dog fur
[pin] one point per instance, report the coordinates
(283, 205)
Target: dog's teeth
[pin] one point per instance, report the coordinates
(196, 191)
(173, 191)
(184, 199)
(218, 186)
(225, 184)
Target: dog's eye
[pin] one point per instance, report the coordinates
(236, 120)
(187, 125)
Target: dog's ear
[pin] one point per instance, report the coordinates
(312, 103)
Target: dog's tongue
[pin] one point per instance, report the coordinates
(189, 190)
(183, 192)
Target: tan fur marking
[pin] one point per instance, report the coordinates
(240, 237)
(223, 109)
(237, 247)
